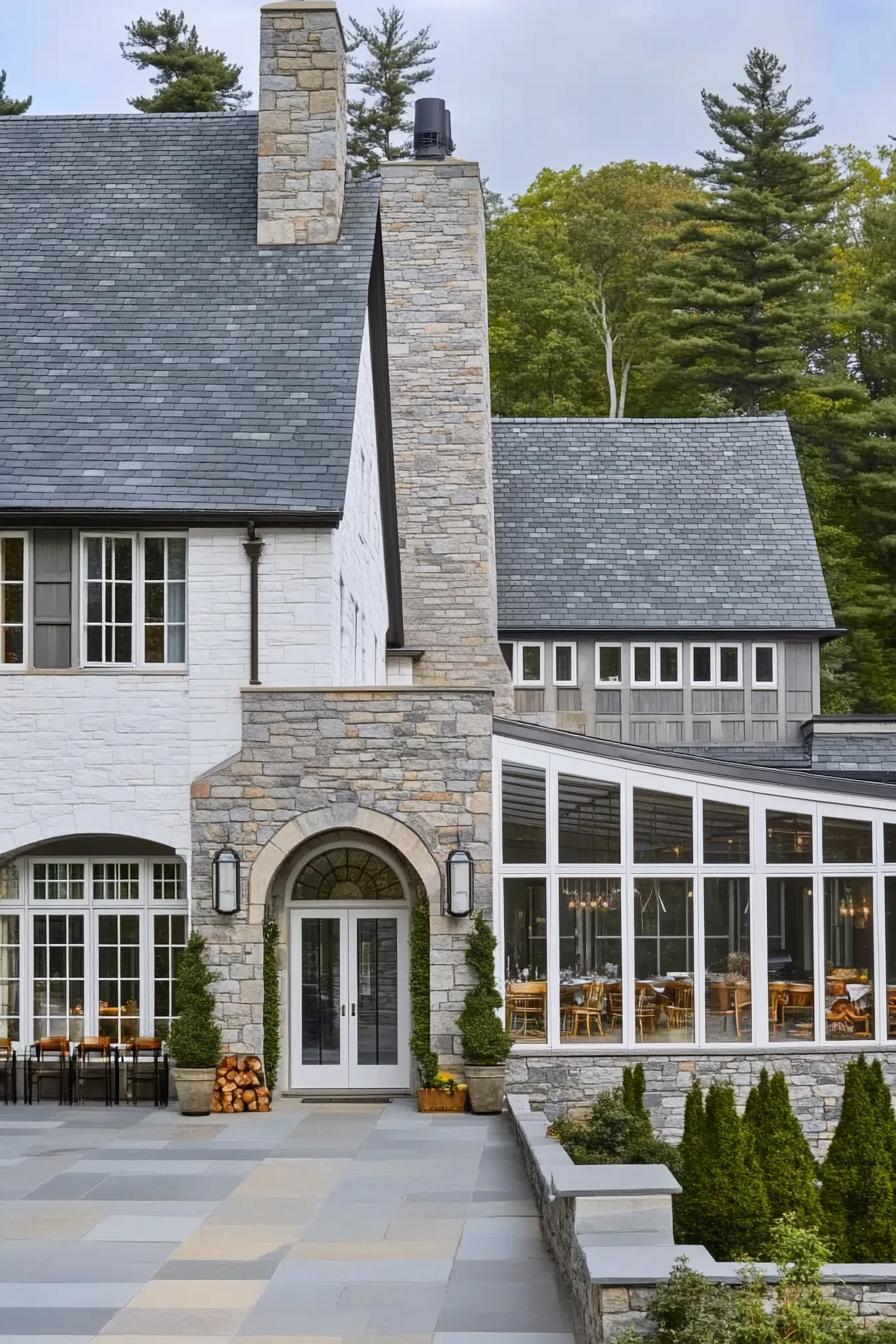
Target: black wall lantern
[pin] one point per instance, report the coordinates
(226, 881)
(459, 870)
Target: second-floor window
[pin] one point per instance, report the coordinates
(134, 600)
(12, 600)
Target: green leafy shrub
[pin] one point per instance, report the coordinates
(271, 1007)
(857, 1177)
(612, 1132)
(786, 1160)
(195, 1036)
(483, 1038)
(421, 1041)
(734, 1221)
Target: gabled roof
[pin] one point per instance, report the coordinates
(654, 524)
(153, 356)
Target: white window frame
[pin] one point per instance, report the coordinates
(738, 683)
(138, 625)
(26, 601)
(518, 678)
(701, 684)
(655, 682)
(25, 906)
(764, 685)
(598, 681)
(574, 663)
(759, 798)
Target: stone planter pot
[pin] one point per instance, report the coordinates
(194, 1090)
(486, 1088)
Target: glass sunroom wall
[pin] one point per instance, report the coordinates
(591, 959)
(890, 948)
(790, 929)
(526, 958)
(664, 958)
(728, 967)
(849, 957)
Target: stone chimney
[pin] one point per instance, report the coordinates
(437, 305)
(301, 123)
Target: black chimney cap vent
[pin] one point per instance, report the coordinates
(432, 129)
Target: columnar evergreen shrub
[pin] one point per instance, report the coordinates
(421, 1042)
(735, 1220)
(634, 1085)
(195, 1040)
(271, 1007)
(786, 1160)
(857, 1178)
(483, 1038)
(688, 1207)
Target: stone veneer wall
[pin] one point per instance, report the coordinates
(301, 123)
(422, 757)
(558, 1083)
(434, 254)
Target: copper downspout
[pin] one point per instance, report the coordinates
(253, 547)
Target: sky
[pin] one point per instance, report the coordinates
(530, 83)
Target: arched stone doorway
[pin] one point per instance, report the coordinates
(346, 896)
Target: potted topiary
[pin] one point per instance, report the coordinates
(484, 1041)
(195, 1041)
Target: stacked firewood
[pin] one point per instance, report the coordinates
(240, 1086)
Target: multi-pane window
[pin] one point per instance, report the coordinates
(12, 600)
(165, 600)
(664, 958)
(167, 882)
(58, 882)
(118, 976)
(608, 664)
(525, 957)
(849, 957)
(729, 664)
(656, 664)
(790, 923)
(591, 958)
(10, 962)
(564, 664)
(728, 971)
(716, 665)
(109, 599)
(169, 940)
(116, 881)
(530, 664)
(58, 976)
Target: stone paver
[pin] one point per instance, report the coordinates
(316, 1224)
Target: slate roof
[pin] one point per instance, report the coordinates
(654, 524)
(153, 356)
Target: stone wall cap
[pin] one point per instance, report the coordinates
(615, 1179)
(644, 1264)
(367, 690)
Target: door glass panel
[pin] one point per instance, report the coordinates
(321, 1033)
(377, 953)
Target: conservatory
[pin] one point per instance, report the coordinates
(651, 901)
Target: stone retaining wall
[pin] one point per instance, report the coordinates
(560, 1083)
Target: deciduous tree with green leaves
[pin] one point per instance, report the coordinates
(188, 77)
(743, 295)
(11, 107)
(387, 66)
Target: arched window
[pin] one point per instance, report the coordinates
(348, 873)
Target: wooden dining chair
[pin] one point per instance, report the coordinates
(645, 1012)
(680, 1012)
(94, 1061)
(590, 1013)
(614, 998)
(526, 1009)
(7, 1070)
(49, 1063)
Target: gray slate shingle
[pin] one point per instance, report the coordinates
(659, 524)
(153, 356)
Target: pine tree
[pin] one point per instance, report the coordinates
(742, 293)
(387, 73)
(11, 107)
(784, 1156)
(857, 1182)
(734, 1220)
(189, 77)
(689, 1206)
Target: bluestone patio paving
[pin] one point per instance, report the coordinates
(315, 1224)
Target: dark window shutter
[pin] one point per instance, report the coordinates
(52, 586)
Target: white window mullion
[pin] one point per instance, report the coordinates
(878, 918)
(552, 908)
(699, 923)
(758, 952)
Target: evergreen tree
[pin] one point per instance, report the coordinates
(882, 1104)
(784, 1156)
(742, 293)
(689, 1206)
(11, 107)
(189, 77)
(857, 1181)
(483, 1037)
(388, 69)
(634, 1085)
(195, 1039)
(734, 1220)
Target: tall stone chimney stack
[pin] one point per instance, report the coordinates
(301, 123)
(433, 229)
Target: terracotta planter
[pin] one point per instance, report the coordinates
(194, 1090)
(436, 1099)
(486, 1086)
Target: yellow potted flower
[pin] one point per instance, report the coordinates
(442, 1092)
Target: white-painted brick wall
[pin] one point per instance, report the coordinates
(116, 752)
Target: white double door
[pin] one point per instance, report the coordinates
(349, 998)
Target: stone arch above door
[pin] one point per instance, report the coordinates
(345, 816)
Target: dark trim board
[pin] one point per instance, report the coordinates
(382, 409)
(783, 776)
(559, 632)
(137, 518)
